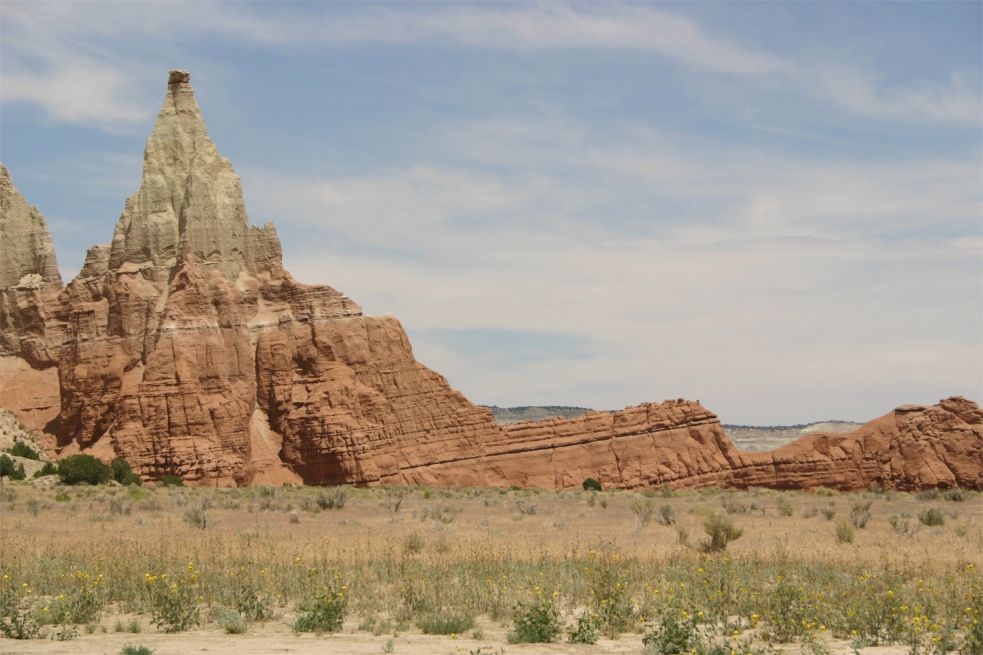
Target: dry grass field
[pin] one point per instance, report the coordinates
(260, 570)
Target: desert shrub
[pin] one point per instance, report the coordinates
(674, 633)
(394, 499)
(323, 610)
(643, 509)
(667, 515)
(955, 495)
(172, 480)
(17, 616)
(174, 600)
(732, 505)
(828, 512)
(901, 524)
(11, 470)
(525, 508)
(720, 532)
(535, 622)
(83, 603)
(197, 515)
(591, 484)
(445, 622)
(611, 601)
(21, 449)
(447, 513)
(334, 499)
(83, 469)
(47, 469)
(586, 630)
(784, 506)
(249, 596)
(123, 474)
(931, 516)
(412, 543)
(844, 532)
(230, 621)
(136, 650)
(860, 513)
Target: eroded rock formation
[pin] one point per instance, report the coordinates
(681, 444)
(185, 347)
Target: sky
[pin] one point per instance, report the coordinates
(773, 208)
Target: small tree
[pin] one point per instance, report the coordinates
(592, 484)
(123, 474)
(21, 449)
(11, 469)
(78, 469)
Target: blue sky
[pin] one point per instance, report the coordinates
(774, 208)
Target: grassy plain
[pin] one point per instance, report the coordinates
(473, 571)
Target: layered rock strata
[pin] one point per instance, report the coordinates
(185, 347)
(681, 444)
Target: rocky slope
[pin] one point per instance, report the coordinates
(185, 347)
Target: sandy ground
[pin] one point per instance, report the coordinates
(278, 638)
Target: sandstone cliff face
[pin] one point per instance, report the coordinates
(184, 346)
(189, 350)
(29, 278)
(681, 444)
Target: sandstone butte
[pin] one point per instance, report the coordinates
(186, 348)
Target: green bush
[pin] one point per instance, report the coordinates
(586, 631)
(844, 532)
(323, 612)
(537, 622)
(171, 480)
(447, 622)
(592, 484)
(136, 650)
(123, 474)
(78, 469)
(230, 621)
(174, 600)
(675, 633)
(10, 469)
(21, 449)
(931, 516)
(47, 469)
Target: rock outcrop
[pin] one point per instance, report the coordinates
(29, 278)
(681, 444)
(185, 347)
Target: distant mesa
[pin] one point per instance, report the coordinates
(185, 347)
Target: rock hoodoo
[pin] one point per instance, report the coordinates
(185, 347)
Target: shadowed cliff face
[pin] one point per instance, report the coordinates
(184, 347)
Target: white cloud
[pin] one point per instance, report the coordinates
(952, 100)
(801, 283)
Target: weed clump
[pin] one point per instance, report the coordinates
(323, 611)
(720, 532)
(931, 517)
(536, 622)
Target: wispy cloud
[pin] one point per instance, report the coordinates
(952, 100)
(75, 60)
